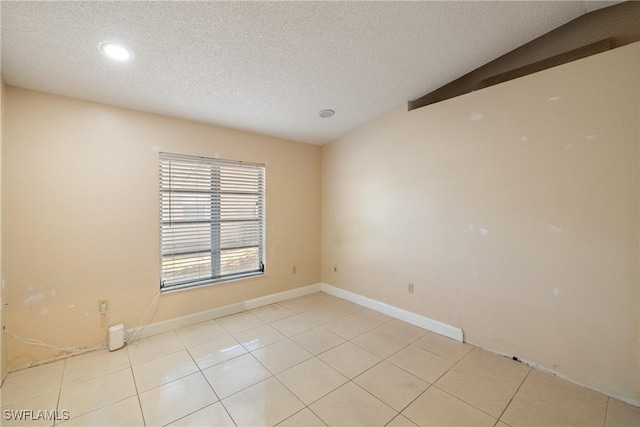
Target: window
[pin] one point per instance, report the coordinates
(211, 220)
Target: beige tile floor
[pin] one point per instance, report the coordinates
(312, 361)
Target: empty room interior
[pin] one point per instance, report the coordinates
(320, 213)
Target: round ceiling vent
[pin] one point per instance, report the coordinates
(325, 114)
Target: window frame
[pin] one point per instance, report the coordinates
(215, 221)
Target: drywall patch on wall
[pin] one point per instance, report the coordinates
(554, 229)
(482, 231)
(36, 295)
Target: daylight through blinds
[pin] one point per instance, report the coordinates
(211, 220)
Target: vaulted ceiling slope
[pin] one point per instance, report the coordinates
(265, 67)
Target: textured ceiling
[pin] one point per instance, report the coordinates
(266, 67)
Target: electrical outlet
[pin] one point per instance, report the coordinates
(103, 305)
(410, 288)
(294, 270)
(335, 268)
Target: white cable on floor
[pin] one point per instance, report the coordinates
(33, 341)
(139, 328)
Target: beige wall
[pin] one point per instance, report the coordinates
(81, 217)
(3, 347)
(514, 213)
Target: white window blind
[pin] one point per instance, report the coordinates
(211, 220)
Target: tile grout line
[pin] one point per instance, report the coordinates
(312, 411)
(219, 399)
(308, 406)
(296, 413)
(514, 394)
(431, 384)
(110, 404)
(374, 396)
(480, 373)
(64, 368)
(391, 420)
(223, 362)
(383, 358)
(95, 378)
(322, 325)
(483, 374)
(468, 403)
(274, 375)
(351, 380)
(206, 380)
(606, 411)
(32, 396)
(135, 384)
(199, 370)
(304, 405)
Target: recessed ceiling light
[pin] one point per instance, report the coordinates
(325, 114)
(115, 51)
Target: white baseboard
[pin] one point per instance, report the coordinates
(184, 321)
(281, 296)
(390, 310)
(215, 313)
